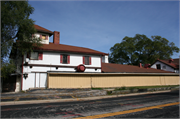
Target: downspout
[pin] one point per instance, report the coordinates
(22, 72)
(101, 63)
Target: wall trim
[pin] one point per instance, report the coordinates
(64, 66)
(116, 74)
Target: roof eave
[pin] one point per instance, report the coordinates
(41, 31)
(69, 51)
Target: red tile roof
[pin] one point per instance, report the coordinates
(41, 29)
(68, 49)
(174, 64)
(119, 68)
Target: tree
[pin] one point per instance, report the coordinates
(16, 34)
(7, 69)
(16, 25)
(141, 49)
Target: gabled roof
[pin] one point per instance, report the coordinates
(119, 68)
(43, 30)
(68, 49)
(174, 64)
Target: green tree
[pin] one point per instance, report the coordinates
(141, 49)
(16, 25)
(6, 69)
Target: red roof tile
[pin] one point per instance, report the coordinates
(68, 49)
(41, 29)
(119, 68)
(174, 64)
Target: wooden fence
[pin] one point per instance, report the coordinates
(105, 80)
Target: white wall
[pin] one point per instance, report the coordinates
(50, 58)
(105, 59)
(168, 68)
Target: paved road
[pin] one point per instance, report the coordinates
(159, 105)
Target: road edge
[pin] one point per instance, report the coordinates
(76, 99)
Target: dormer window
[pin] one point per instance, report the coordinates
(44, 37)
(158, 66)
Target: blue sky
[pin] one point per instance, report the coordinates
(100, 24)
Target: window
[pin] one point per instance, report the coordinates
(158, 66)
(65, 59)
(164, 67)
(36, 56)
(87, 60)
(43, 37)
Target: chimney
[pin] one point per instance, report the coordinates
(56, 37)
(170, 60)
(147, 65)
(140, 65)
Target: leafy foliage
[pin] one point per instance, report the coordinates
(16, 25)
(6, 69)
(141, 49)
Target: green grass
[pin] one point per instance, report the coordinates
(109, 92)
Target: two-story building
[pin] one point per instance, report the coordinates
(54, 57)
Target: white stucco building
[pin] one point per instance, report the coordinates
(171, 65)
(54, 57)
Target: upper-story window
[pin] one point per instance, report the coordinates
(65, 59)
(164, 67)
(158, 66)
(86, 60)
(35, 56)
(44, 37)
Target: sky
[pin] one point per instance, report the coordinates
(100, 24)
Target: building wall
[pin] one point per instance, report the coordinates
(37, 75)
(105, 59)
(168, 68)
(68, 80)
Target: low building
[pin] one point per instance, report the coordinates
(119, 68)
(171, 65)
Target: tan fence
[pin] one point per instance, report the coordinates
(103, 80)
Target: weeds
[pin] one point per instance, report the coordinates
(96, 88)
(109, 92)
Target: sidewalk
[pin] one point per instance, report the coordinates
(47, 94)
(61, 95)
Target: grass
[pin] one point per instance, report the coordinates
(97, 88)
(109, 92)
(145, 87)
(136, 87)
